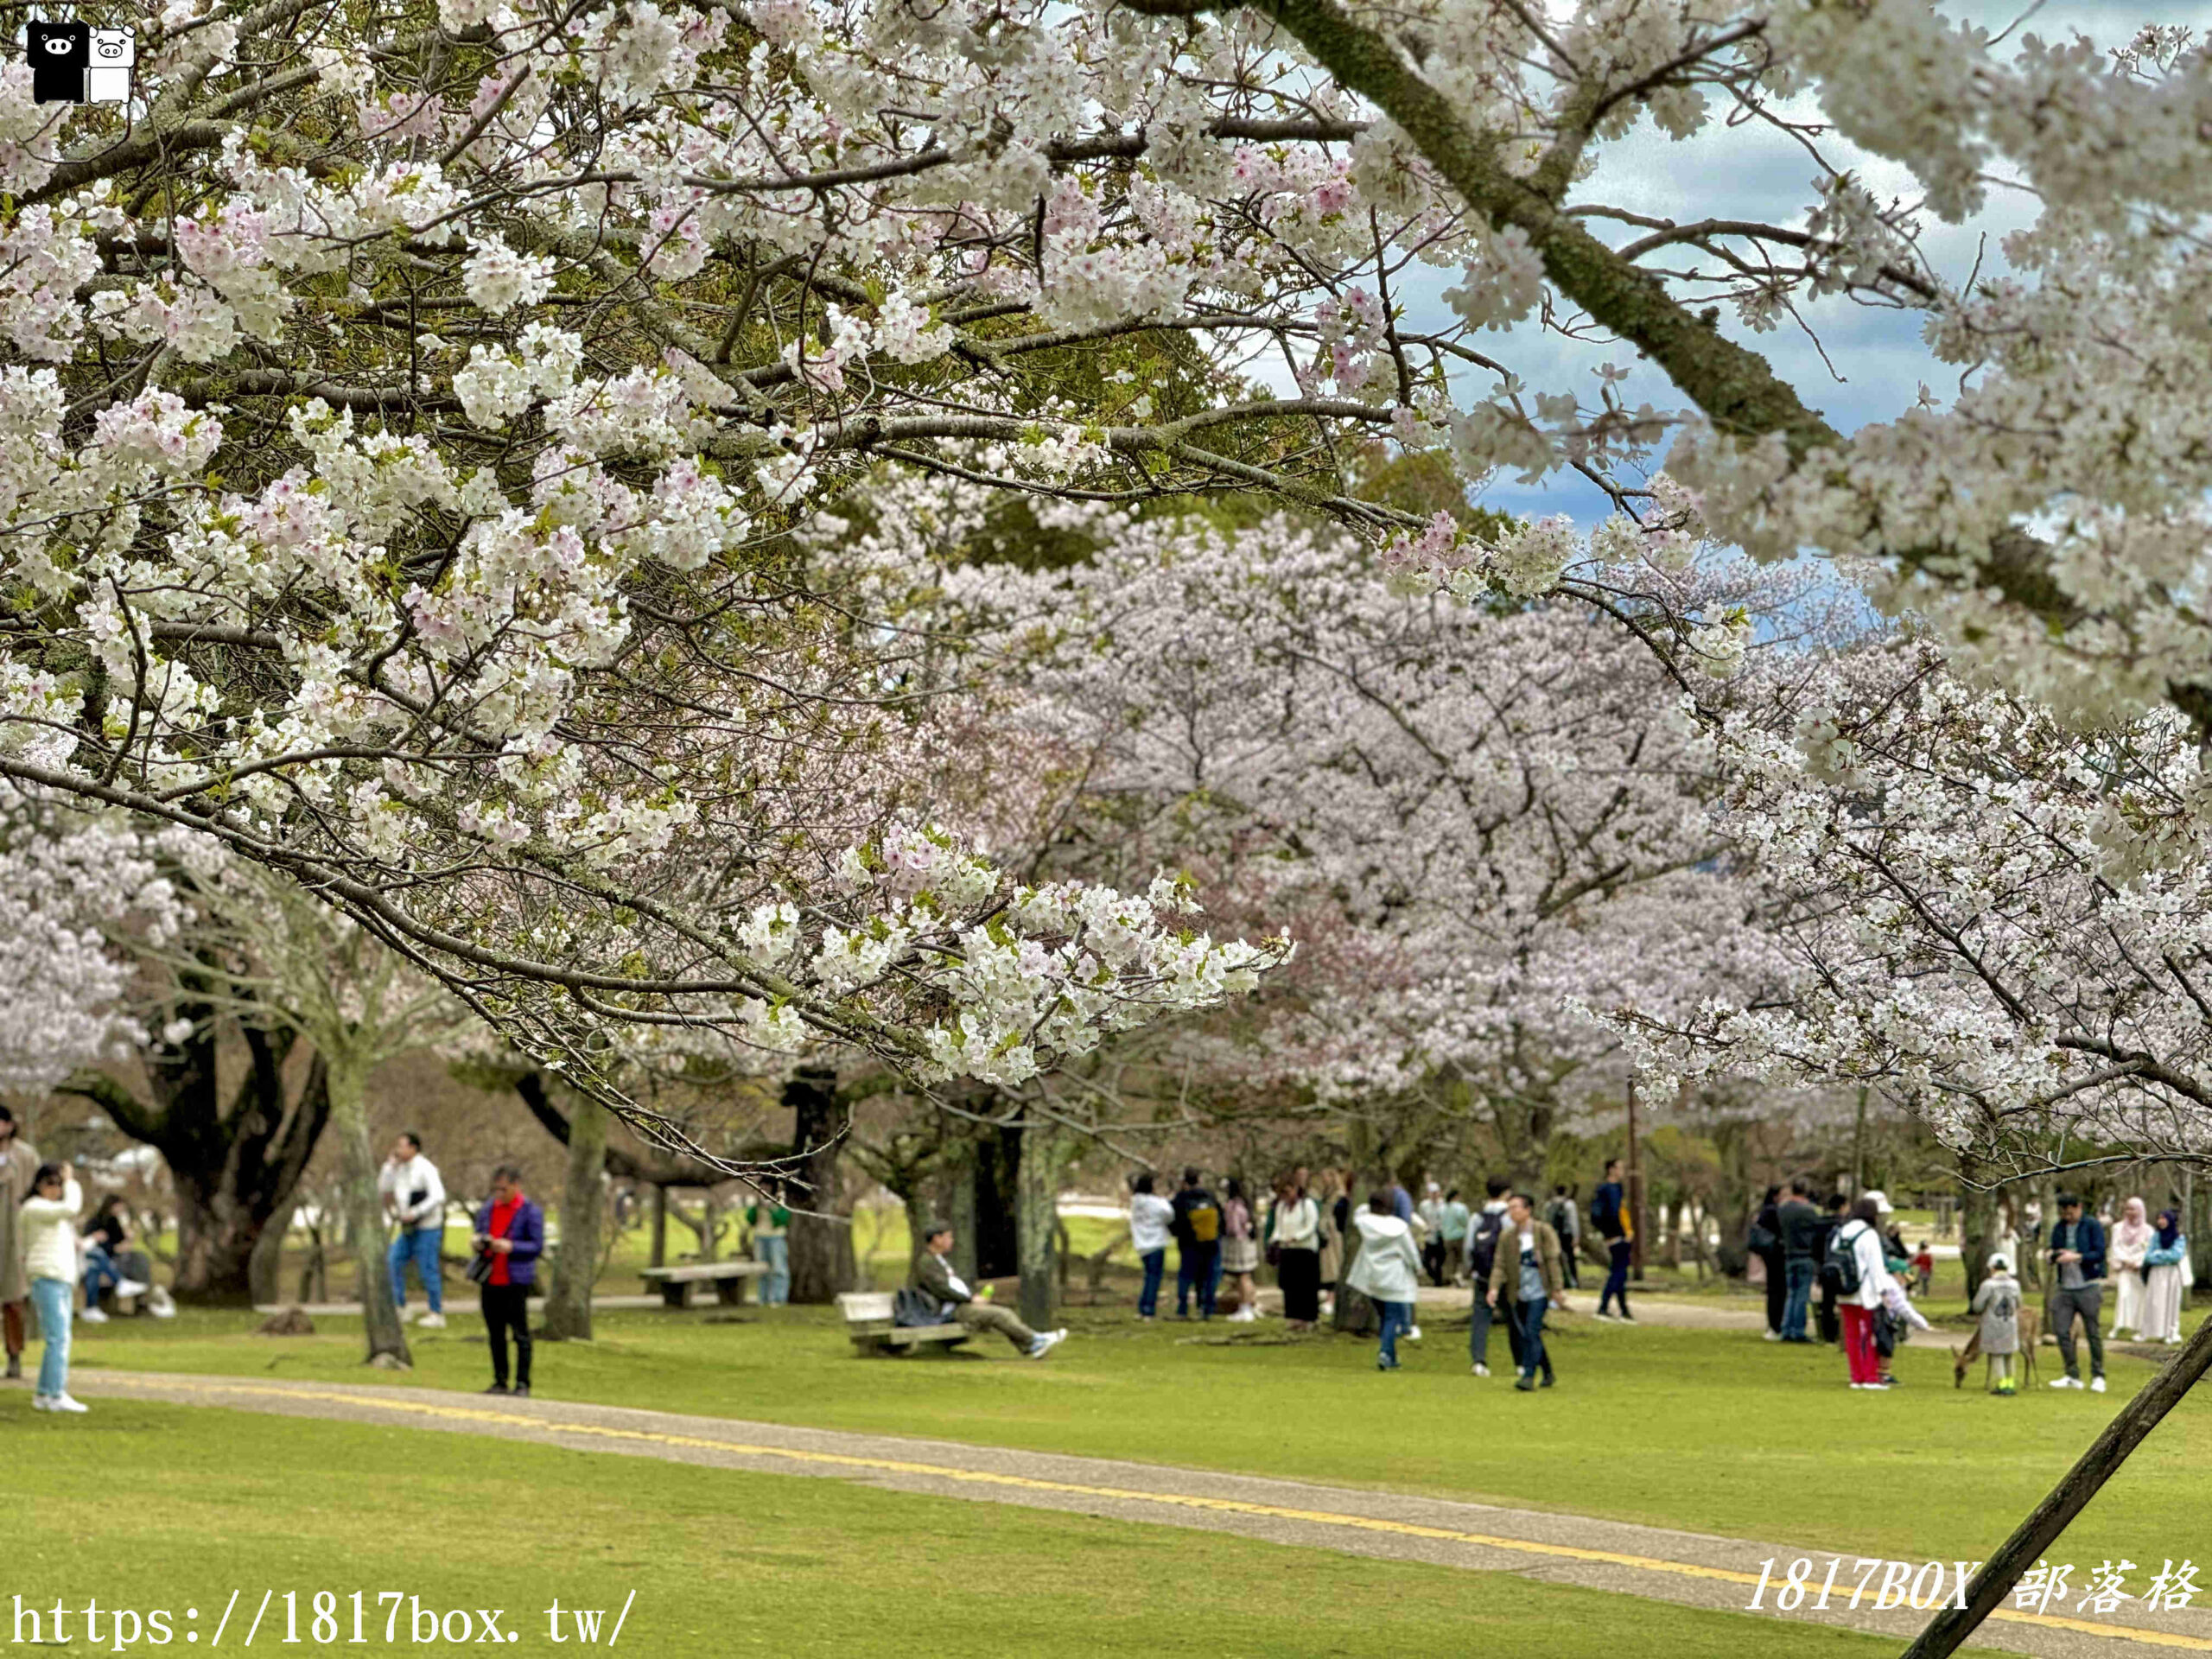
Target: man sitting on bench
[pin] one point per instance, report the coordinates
(934, 1276)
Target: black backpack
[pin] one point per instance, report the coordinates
(1482, 1243)
(912, 1305)
(1840, 1271)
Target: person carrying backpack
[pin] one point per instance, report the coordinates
(1482, 1252)
(1861, 1280)
(1197, 1235)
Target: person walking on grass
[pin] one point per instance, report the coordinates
(1294, 1236)
(510, 1237)
(2077, 1266)
(1387, 1272)
(1525, 1282)
(415, 1197)
(1240, 1249)
(1150, 1217)
(1430, 1213)
(1198, 1238)
(2167, 1278)
(1560, 1214)
(1483, 1234)
(1800, 1226)
(1453, 1222)
(46, 1225)
(18, 1165)
(1998, 1301)
(933, 1276)
(1609, 1214)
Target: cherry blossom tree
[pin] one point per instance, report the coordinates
(1479, 822)
(406, 410)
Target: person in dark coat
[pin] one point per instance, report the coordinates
(511, 1232)
(1764, 1240)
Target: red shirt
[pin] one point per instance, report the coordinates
(503, 1222)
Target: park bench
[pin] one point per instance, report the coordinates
(727, 1278)
(867, 1321)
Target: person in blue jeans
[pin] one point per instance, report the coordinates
(1801, 1226)
(1152, 1219)
(415, 1197)
(46, 1232)
(771, 1223)
(1526, 1280)
(1387, 1272)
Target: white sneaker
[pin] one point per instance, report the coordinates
(431, 1322)
(406, 1314)
(2096, 1385)
(1046, 1341)
(1413, 1333)
(2172, 1342)
(92, 1316)
(64, 1403)
(1482, 1370)
(159, 1301)
(40, 1402)
(2065, 1382)
(1773, 1336)
(130, 1287)
(1610, 1318)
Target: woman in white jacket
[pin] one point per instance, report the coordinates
(1862, 1244)
(48, 1232)
(1388, 1272)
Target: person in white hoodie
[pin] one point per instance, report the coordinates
(1867, 1284)
(46, 1229)
(415, 1197)
(1388, 1272)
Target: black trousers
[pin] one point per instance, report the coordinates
(506, 1307)
(1300, 1273)
(1777, 1287)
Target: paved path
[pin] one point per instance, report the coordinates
(1693, 1569)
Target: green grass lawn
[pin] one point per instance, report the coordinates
(1713, 1431)
(151, 1506)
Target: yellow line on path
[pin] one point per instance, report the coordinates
(1172, 1500)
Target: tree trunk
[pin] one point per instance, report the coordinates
(567, 1317)
(266, 1267)
(2035, 1535)
(386, 1337)
(821, 1238)
(1036, 1190)
(967, 1236)
(233, 1170)
(1978, 1214)
(1354, 1314)
(660, 1226)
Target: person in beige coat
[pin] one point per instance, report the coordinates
(18, 1163)
(1526, 1280)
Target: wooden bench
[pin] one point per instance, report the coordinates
(867, 1321)
(727, 1278)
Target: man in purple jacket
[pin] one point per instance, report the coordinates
(510, 1231)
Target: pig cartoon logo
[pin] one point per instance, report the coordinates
(75, 63)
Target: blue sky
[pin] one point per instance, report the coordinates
(1765, 176)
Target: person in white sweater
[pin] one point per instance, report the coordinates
(1150, 1218)
(1387, 1272)
(415, 1196)
(46, 1229)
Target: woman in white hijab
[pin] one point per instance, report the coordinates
(2131, 1243)
(2166, 1281)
